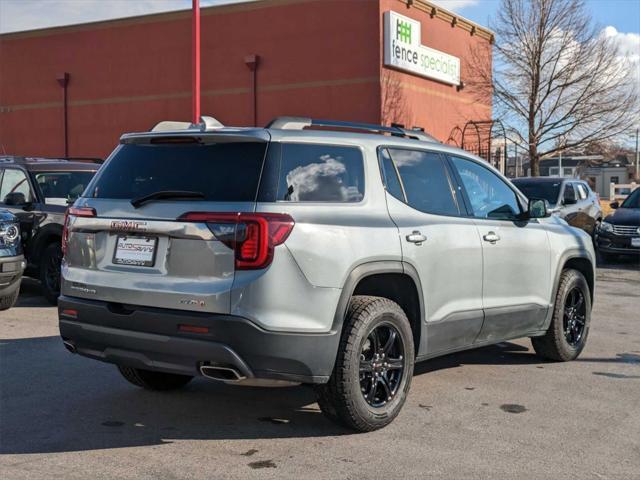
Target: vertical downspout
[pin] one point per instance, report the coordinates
(252, 62)
(63, 81)
(195, 61)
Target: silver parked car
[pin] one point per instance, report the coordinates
(11, 260)
(569, 198)
(306, 252)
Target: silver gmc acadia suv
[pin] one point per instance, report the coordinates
(315, 252)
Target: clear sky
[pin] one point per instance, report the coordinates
(624, 15)
(15, 15)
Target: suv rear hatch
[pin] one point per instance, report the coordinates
(159, 224)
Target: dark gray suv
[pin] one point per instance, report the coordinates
(11, 260)
(308, 252)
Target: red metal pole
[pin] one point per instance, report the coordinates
(195, 44)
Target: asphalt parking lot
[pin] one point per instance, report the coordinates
(497, 412)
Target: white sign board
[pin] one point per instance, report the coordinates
(403, 50)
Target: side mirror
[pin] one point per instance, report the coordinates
(537, 208)
(614, 205)
(15, 199)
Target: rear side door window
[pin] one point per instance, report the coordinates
(320, 173)
(425, 181)
(489, 195)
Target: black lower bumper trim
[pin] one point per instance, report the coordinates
(146, 337)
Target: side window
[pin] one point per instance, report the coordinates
(425, 181)
(13, 182)
(320, 173)
(582, 191)
(569, 193)
(489, 195)
(390, 175)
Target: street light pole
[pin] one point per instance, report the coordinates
(195, 51)
(637, 156)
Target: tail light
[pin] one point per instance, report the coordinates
(73, 212)
(252, 236)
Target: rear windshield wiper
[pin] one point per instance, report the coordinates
(166, 194)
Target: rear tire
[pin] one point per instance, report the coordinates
(50, 262)
(367, 390)
(569, 328)
(9, 301)
(151, 380)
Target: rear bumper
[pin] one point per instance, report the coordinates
(149, 338)
(11, 269)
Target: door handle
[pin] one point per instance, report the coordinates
(491, 237)
(416, 237)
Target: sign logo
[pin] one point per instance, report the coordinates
(128, 225)
(403, 31)
(403, 51)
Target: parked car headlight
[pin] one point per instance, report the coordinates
(9, 234)
(606, 227)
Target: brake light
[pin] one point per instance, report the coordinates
(254, 237)
(73, 212)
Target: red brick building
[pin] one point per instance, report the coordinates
(317, 58)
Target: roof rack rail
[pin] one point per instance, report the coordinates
(300, 123)
(206, 123)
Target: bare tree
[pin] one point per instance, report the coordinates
(558, 82)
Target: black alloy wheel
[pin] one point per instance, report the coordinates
(382, 365)
(574, 317)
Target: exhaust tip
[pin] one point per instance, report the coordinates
(69, 346)
(225, 374)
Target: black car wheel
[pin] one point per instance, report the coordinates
(374, 366)
(50, 272)
(569, 328)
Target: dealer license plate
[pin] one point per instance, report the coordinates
(138, 251)
(635, 242)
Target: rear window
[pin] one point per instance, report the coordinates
(320, 173)
(223, 172)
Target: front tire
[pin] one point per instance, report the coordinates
(50, 262)
(151, 380)
(374, 366)
(569, 328)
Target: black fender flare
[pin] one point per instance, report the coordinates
(374, 268)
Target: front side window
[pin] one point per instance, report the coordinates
(425, 181)
(569, 193)
(14, 183)
(320, 173)
(62, 188)
(489, 195)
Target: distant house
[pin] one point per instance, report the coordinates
(593, 168)
(572, 165)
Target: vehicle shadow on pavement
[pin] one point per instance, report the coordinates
(31, 294)
(53, 401)
(627, 262)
